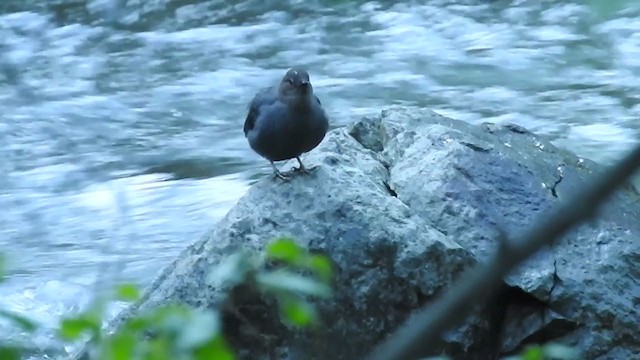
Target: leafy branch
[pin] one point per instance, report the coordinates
(177, 331)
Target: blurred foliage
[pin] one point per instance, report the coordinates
(164, 333)
(551, 351)
(284, 270)
(180, 332)
(10, 351)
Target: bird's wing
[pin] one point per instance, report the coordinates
(262, 98)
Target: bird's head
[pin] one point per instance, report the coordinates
(295, 84)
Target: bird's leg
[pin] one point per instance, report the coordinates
(302, 168)
(277, 173)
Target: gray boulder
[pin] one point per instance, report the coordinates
(388, 260)
(402, 204)
(474, 183)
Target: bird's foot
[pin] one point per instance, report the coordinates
(302, 169)
(279, 175)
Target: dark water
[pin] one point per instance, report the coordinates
(120, 121)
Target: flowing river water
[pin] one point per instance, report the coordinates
(121, 121)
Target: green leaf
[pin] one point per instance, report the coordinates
(321, 265)
(285, 249)
(202, 327)
(215, 349)
(158, 349)
(10, 353)
(533, 353)
(127, 292)
(73, 328)
(137, 323)
(23, 322)
(121, 346)
(299, 313)
(281, 280)
(168, 311)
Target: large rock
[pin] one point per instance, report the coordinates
(475, 182)
(403, 204)
(389, 260)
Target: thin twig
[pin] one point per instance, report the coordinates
(421, 331)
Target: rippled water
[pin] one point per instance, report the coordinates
(120, 126)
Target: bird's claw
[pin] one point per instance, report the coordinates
(279, 175)
(301, 169)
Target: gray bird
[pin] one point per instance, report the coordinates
(286, 120)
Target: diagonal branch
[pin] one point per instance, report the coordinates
(422, 330)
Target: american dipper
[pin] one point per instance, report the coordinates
(286, 120)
